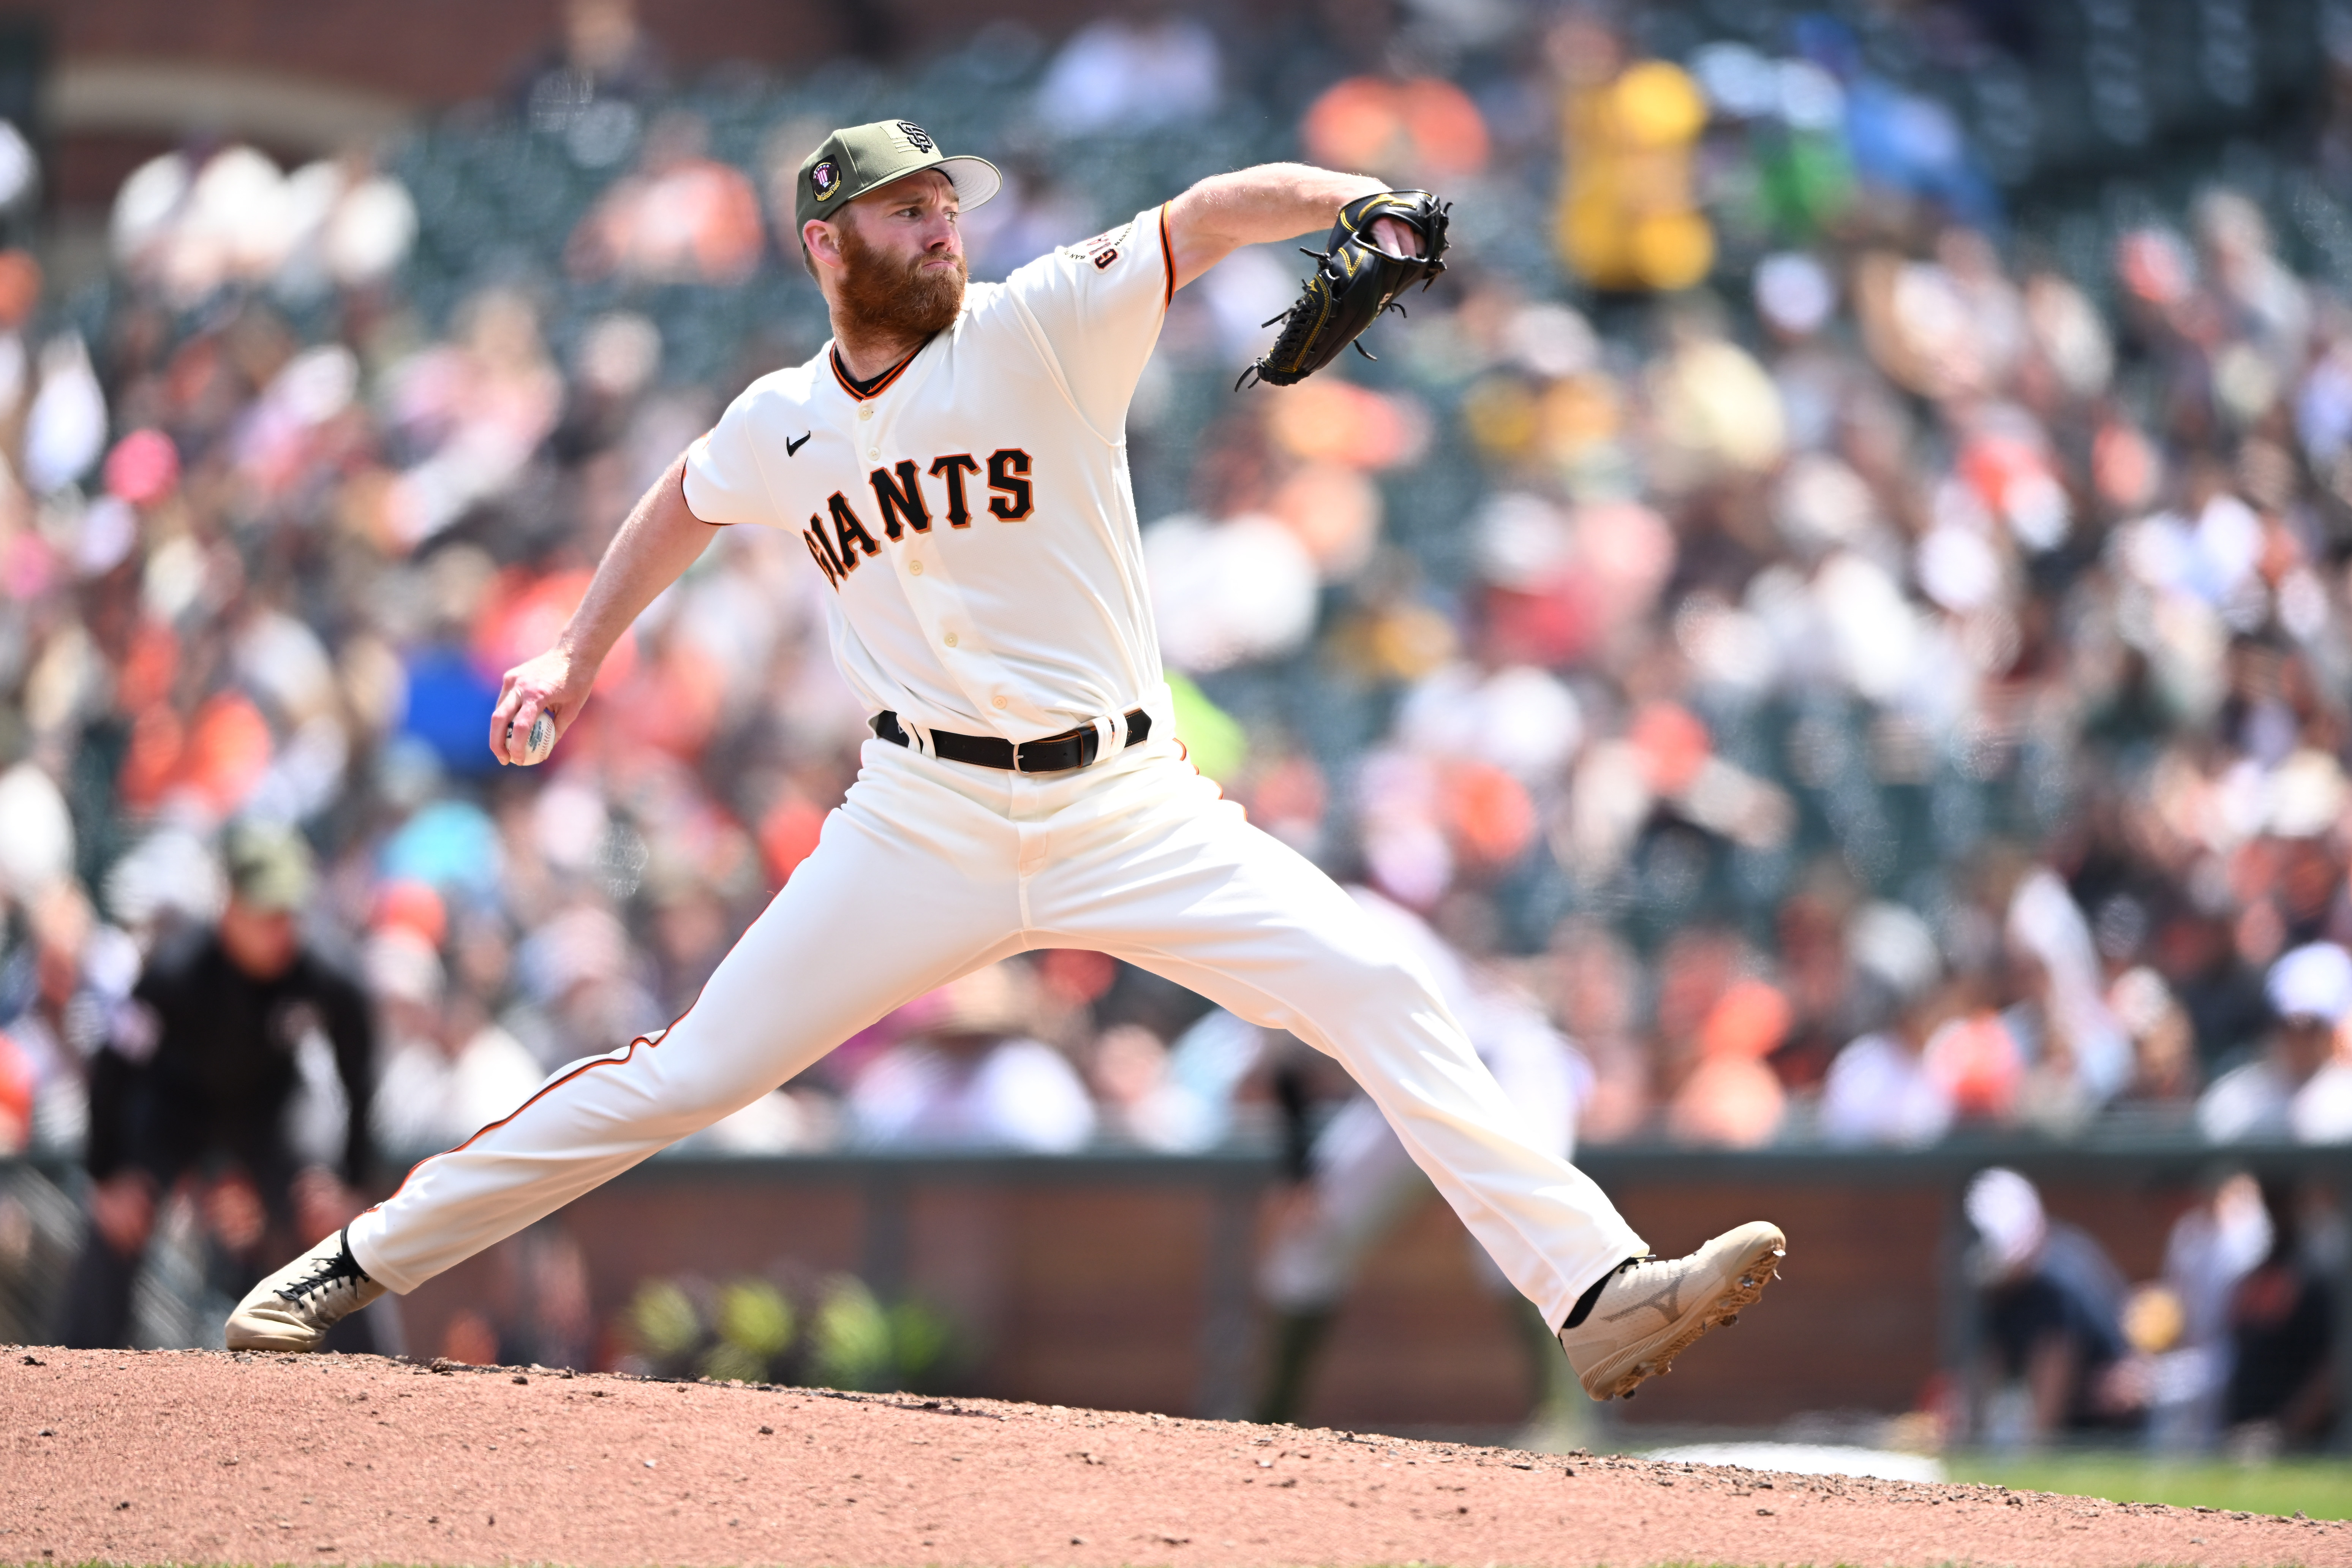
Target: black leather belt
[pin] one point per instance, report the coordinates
(1054, 754)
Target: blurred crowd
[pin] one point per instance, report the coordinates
(2232, 1344)
(1853, 667)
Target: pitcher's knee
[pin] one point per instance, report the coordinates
(703, 1093)
(670, 1090)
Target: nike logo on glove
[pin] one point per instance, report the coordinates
(792, 448)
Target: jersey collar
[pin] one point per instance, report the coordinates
(881, 384)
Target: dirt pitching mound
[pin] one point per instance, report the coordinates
(201, 1456)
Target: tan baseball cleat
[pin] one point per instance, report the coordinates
(1650, 1311)
(294, 1308)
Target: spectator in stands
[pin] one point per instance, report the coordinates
(2296, 1087)
(237, 1048)
(17, 1079)
(1415, 130)
(2282, 1387)
(1595, 994)
(189, 223)
(79, 972)
(581, 989)
(2078, 1056)
(1879, 1090)
(1158, 70)
(2050, 1304)
(448, 1069)
(605, 56)
(2212, 1247)
(681, 217)
(469, 415)
(970, 1077)
(2164, 1040)
(1730, 1098)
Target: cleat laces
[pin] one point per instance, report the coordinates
(342, 1270)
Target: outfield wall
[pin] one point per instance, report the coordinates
(1125, 1281)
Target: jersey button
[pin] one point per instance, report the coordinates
(872, 453)
(951, 639)
(1001, 701)
(915, 568)
(865, 411)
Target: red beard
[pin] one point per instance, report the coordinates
(880, 299)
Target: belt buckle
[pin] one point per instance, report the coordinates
(1077, 739)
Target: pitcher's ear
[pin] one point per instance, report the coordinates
(820, 242)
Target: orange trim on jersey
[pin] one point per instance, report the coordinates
(1167, 259)
(881, 386)
(650, 1042)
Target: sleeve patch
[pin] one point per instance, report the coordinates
(1103, 248)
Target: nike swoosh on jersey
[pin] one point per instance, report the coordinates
(792, 448)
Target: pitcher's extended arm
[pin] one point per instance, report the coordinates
(1270, 202)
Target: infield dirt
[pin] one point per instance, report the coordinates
(202, 1457)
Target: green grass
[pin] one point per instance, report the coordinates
(2320, 1488)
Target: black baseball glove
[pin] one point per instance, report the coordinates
(1353, 281)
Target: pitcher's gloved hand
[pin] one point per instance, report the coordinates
(1356, 277)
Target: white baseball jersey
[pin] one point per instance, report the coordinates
(972, 511)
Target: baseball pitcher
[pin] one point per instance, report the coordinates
(955, 463)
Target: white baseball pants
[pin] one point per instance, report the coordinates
(1362, 1180)
(930, 869)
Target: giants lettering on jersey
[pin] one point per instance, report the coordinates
(837, 537)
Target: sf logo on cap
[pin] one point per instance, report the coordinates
(916, 137)
(824, 179)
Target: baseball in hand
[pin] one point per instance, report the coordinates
(542, 739)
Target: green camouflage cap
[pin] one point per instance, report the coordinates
(863, 158)
(269, 866)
